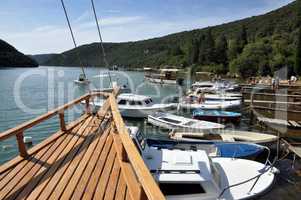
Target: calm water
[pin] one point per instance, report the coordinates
(27, 93)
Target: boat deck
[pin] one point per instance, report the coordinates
(91, 158)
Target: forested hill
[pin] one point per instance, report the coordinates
(11, 57)
(260, 44)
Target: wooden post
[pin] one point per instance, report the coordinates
(62, 121)
(21, 145)
(88, 111)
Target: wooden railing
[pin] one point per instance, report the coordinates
(138, 179)
(18, 131)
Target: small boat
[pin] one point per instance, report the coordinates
(82, 80)
(209, 105)
(213, 86)
(192, 174)
(226, 136)
(170, 121)
(136, 106)
(216, 116)
(214, 148)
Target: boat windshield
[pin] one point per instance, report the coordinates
(190, 123)
(148, 101)
(215, 172)
(181, 188)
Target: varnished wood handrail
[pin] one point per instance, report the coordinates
(148, 184)
(31, 123)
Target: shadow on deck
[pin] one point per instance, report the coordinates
(91, 158)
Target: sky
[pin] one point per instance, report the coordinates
(39, 26)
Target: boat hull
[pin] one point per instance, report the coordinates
(86, 82)
(225, 149)
(211, 105)
(140, 112)
(219, 119)
(231, 174)
(165, 125)
(164, 81)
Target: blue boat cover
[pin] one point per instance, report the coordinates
(217, 113)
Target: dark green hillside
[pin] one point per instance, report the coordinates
(42, 58)
(264, 43)
(10, 57)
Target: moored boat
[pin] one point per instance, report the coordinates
(217, 116)
(192, 174)
(209, 105)
(170, 121)
(214, 148)
(82, 80)
(136, 106)
(226, 136)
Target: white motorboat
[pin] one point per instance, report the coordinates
(82, 80)
(220, 85)
(136, 106)
(226, 136)
(209, 105)
(170, 121)
(193, 175)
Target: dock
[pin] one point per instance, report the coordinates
(92, 157)
(295, 149)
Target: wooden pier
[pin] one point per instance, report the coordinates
(92, 157)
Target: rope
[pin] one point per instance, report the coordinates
(101, 41)
(73, 38)
(75, 45)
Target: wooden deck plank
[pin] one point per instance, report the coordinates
(128, 174)
(56, 170)
(76, 176)
(4, 174)
(86, 175)
(113, 181)
(103, 181)
(96, 174)
(71, 159)
(149, 186)
(38, 147)
(75, 161)
(121, 189)
(40, 164)
(97, 160)
(12, 179)
(34, 182)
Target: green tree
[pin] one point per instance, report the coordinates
(233, 49)
(207, 48)
(297, 67)
(193, 52)
(221, 52)
(242, 39)
(253, 61)
(298, 55)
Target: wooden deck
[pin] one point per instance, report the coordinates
(90, 158)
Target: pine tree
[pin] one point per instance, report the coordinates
(207, 49)
(193, 52)
(298, 55)
(242, 39)
(221, 52)
(298, 50)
